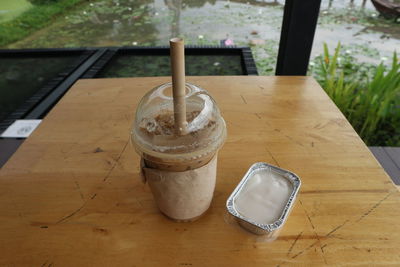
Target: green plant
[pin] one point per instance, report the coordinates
(379, 102)
(42, 2)
(371, 104)
(35, 18)
(346, 62)
(333, 81)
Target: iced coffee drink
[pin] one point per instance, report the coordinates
(180, 167)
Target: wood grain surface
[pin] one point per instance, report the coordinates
(71, 195)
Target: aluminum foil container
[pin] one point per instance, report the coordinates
(248, 223)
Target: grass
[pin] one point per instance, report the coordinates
(11, 9)
(370, 98)
(34, 19)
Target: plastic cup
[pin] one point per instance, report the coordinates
(180, 169)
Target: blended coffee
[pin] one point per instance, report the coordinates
(180, 168)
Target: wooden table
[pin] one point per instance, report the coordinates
(72, 196)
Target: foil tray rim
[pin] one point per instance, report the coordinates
(265, 228)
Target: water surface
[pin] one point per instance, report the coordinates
(211, 22)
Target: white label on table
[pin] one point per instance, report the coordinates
(21, 129)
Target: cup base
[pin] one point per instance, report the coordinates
(186, 220)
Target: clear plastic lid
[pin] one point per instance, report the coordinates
(154, 134)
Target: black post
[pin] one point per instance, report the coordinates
(298, 27)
